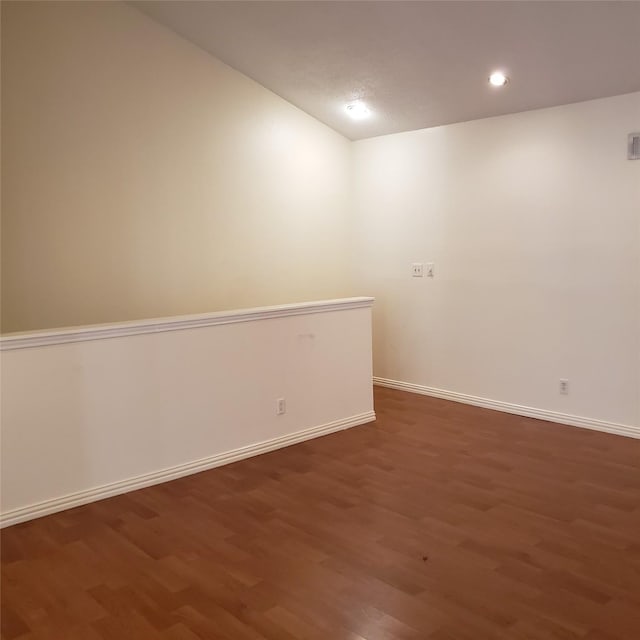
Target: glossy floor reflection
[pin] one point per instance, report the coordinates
(440, 521)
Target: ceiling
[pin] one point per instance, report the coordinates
(418, 64)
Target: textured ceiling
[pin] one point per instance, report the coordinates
(418, 64)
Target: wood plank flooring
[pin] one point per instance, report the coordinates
(437, 522)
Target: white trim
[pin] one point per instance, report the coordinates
(508, 407)
(26, 340)
(139, 482)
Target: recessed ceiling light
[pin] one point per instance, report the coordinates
(498, 79)
(358, 110)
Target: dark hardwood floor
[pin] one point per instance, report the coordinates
(440, 521)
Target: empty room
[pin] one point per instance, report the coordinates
(320, 320)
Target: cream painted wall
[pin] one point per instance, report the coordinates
(143, 178)
(533, 223)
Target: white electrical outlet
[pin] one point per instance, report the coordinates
(281, 406)
(564, 387)
(430, 270)
(417, 269)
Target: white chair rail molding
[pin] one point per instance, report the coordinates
(95, 411)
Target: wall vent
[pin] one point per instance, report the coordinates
(634, 146)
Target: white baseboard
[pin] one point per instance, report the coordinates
(54, 505)
(508, 407)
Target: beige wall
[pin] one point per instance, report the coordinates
(143, 178)
(533, 223)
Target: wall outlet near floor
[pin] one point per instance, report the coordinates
(563, 387)
(417, 269)
(281, 406)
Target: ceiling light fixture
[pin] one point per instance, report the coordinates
(358, 110)
(498, 79)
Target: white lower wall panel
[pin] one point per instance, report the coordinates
(117, 410)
